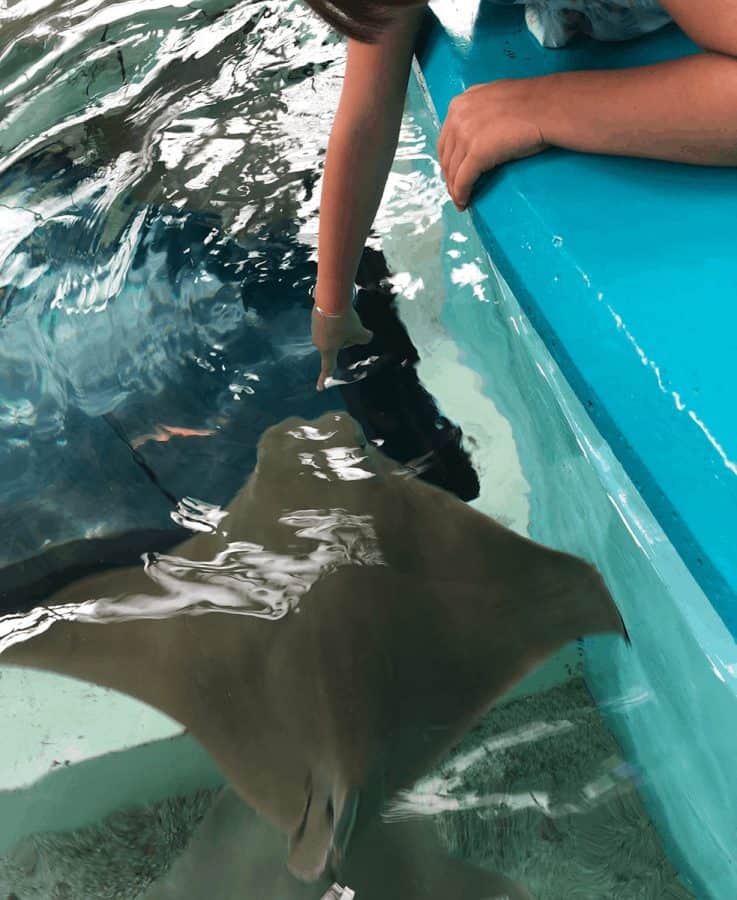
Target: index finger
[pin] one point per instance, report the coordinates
(328, 360)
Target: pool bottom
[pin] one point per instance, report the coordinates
(544, 798)
(554, 806)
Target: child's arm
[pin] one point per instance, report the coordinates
(360, 153)
(684, 110)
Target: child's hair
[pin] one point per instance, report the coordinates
(358, 19)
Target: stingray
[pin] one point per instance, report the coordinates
(347, 624)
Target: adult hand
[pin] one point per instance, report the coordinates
(332, 333)
(487, 125)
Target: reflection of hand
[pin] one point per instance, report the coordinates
(332, 333)
(487, 125)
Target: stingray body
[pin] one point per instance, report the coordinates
(384, 617)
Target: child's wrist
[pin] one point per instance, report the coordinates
(332, 304)
(328, 315)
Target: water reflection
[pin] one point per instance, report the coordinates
(131, 267)
(153, 370)
(159, 166)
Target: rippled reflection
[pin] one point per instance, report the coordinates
(295, 605)
(157, 168)
(155, 261)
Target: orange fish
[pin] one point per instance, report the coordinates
(165, 433)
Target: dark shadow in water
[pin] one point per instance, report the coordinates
(391, 404)
(273, 274)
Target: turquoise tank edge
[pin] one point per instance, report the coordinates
(628, 270)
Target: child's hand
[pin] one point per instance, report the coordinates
(487, 125)
(332, 333)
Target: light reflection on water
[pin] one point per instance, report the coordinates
(156, 248)
(158, 192)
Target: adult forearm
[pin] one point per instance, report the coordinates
(684, 110)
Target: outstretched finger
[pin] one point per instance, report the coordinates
(329, 359)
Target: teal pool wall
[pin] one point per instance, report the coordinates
(671, 700)
(627, 269)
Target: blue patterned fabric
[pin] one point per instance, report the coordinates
(555, 22)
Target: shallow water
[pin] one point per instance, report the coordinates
(159, 182)
(123, 292)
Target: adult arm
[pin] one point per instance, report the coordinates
(683, 110)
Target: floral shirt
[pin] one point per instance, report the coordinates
(555, 22)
